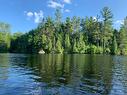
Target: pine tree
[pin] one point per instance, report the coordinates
(114, 46)
(123, 38)
(107, 27)
(49, 46)
(59, 47)
(74, 48)
(81, 44)
(67, 45)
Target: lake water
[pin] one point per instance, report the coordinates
(24, 74)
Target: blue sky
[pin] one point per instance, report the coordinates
(24, 15)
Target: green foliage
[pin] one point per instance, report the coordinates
(68, 26)
(86, 35)
(81, 44)
(48, 48)
(44, 39)
(99, 50)
(5, 37)
(74, 48)
(14, 45)
(76, 24)
(107, 51)
(67, 44)
(58, 18)
(123, 38)
(93, 49)
(107, 32)
(59, 48)
(114, 46)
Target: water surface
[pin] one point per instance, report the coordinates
(23, 74)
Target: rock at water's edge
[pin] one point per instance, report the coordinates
(41, 52)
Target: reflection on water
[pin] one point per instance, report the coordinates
(22, 74)
(119, 81)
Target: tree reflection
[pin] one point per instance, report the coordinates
(80, 73)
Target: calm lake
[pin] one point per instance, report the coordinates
(24, 74)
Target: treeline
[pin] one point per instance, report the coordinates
(87, 35)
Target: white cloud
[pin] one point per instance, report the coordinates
(54, 4)
(119, 22)
(29, 14)
(67, 10)
(67, 1)
(37, 16)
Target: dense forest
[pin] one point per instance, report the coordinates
(88, 35)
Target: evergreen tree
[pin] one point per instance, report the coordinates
(44, 40)
(81, 44)
(123, 38)
(107, 27)
(114, 46)
(68, 26)
(67, 44)
(59, 47)
(58, 17)
(74, 35)
(76, 24)
(49, 46)
(74, 48)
